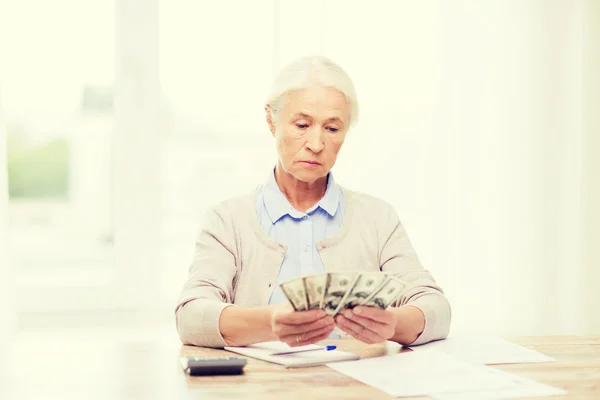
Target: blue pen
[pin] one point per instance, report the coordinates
(283, 353)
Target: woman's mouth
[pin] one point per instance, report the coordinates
(310, 163)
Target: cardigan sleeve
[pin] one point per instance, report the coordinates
(398, 257)
(209, 287)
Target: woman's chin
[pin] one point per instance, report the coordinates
(310, 175)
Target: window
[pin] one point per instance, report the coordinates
(57, 101)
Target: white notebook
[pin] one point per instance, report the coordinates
(263, 351)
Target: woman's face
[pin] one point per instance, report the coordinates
(310, 130)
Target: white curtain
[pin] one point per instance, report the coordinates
(7, 312)
(138, 133)
(591, 164)
(472, 126)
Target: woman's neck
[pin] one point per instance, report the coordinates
(301, 195)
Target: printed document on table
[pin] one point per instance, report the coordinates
(519, 387)
(422, 373)
(485, 350)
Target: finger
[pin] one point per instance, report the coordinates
(286, 330)
(298, 317)
(361, 333)
(357, 335)
(313, 340)
(374, 313)
(384, 330)
(296, 340)
(358, 331)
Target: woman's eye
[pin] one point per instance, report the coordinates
(302, 126)
(332, 129)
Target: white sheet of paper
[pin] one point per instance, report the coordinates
(485, 350)
(421, 373)
(519, 387)
(263, 351)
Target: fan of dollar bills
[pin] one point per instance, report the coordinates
(334, 292)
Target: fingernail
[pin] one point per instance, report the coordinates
(348, 314)
(341, 319)
(357, 311)
(321, 313)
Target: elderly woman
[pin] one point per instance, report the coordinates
(298, 222)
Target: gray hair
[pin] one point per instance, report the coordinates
(312, 71)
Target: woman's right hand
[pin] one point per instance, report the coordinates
(299, 328)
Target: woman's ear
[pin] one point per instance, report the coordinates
(269, 117)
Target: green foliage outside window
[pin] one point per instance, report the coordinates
(38, 171)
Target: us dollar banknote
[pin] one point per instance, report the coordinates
(386, 294)
(364, 285)
(315, 289)
(336, 286)
(295, 292)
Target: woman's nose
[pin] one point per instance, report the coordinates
(315, 141)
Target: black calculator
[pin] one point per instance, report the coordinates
(198, 366)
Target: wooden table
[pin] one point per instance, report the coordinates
(148, 368)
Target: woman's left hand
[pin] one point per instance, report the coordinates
(368, 324)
